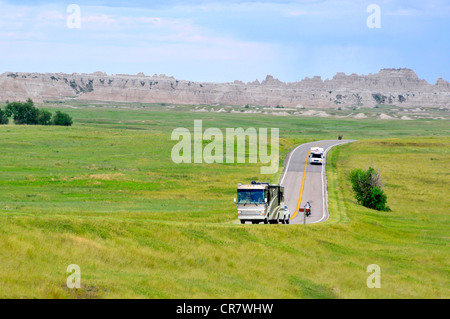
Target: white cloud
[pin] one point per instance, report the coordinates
(297, 13)
(403, 12)
(51, 15)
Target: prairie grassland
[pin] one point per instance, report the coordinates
(105, 195)
(410, 243)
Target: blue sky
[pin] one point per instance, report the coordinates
(223, 41)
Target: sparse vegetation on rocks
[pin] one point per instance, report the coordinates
(399, 87)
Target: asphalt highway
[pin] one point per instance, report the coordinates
(305, 182)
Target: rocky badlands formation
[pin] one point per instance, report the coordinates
(400, 87)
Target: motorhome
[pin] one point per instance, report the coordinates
(261, 202)
(316, 156)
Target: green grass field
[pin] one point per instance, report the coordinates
(105, 195)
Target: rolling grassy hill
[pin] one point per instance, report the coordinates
(105, 195)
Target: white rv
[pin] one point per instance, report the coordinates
(316, 156)
(261, 202)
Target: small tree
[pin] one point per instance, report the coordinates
(27, 113)
(62, 119)
(3, 117)
(367, 186)
(23, 113)
(44, 117)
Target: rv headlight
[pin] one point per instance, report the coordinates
(239, 212)
(261, 213)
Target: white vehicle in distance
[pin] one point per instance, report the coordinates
(316, 155)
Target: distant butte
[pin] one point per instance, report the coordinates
(400, 87)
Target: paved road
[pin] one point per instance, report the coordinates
(305, 182)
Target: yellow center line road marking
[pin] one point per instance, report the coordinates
(303, 184)
(301, 188)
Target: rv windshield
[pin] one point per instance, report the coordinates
(316, 156)
(250, 196)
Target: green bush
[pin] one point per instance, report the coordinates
(27, 113)
(3, 117)
(62, 119)
(44, 118)
(368, 189)
(23, 113)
